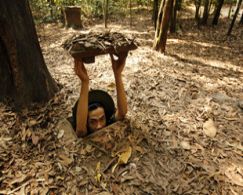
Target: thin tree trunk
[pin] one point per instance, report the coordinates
(155, 12)
(235, 16)
(241, 19)
(51, 4)
(163, 25)
(24, 76)
(197, 5)
(179, 5)
(230, 9)
(217, 12)
(174, 16)
(159, 18)
(205, 13)
(106, 4)
(130, 8)
(210, 6)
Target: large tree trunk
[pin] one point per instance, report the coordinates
(163, 25)
(217, 12)
(155, 12)
(24, 76)
(174, 16)
(205, 13)
(235, 16)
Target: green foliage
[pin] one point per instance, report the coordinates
(143, 2)
(51, 10)
(66, 2)
(43, 10)
(230, 1)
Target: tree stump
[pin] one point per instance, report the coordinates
(72, 17)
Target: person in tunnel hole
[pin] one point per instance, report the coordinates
(95, 109)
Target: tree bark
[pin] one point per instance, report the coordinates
(130, 10)
(217, 12)
(155, 12)
(205, 13)
(24, 76)
(234, 17)
(163, 25)
(106, 4)
(241, 19)
(72, 17)
(197, 5)
(174, 16)
(230, 9)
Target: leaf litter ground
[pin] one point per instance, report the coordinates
(183, 133)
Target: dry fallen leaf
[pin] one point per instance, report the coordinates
(18, 179)
(185, 145)
(234, 174)
(123, 158)
(35, 139)
(65, 160)
(209, 128)
(104, 193)
(32, 122)
(97, 173)
(60, 134)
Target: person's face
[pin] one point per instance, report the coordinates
(96, 119)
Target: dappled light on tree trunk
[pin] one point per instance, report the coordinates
(163, 25)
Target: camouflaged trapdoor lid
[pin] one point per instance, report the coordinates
(87, 46)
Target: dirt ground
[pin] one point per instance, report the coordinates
(183, 133)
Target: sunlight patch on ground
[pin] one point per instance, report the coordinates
(216, 63)
(203, 44)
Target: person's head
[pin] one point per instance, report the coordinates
(96, 117)
(100, 106)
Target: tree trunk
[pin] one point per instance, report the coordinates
(24, 76)
(163, 25)
(210, 6)
(234, 17)
(51, 4)
(241, 19)
(179, 5)
(197, 5)
(217, 12)
(173, 16)
(106, 4)
(205, 13)
(130, 10)
(72, 17)
(155, 12)
(230, 9)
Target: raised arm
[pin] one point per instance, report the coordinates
(82, 108)
(118, 66)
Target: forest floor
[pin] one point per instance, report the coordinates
(184, 128)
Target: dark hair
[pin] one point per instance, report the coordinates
(93, 106)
